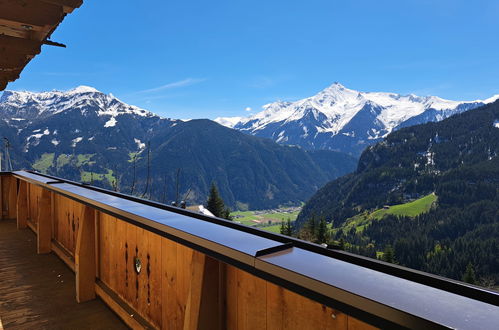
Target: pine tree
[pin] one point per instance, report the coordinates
(216, 205)
(389, 254)
(322, 232)
(282, 230)
(289, 228)
(469, 274)
(311, 228)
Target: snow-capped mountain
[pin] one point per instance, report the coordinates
(345, 120)
(29, 105)
(88, 136)
(82, 120)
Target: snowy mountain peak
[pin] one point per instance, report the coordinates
(29, 105)
(340, 118)
(83, 89)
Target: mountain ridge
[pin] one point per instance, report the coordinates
(342, 119)
(457, 160)
(86, 135)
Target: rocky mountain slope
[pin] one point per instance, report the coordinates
(457, 160)
(345, 120)
(88, 136)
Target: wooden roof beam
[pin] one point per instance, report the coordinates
(18, 46)
(11, 75)
(67, 5)
(31, 12)
(21, 26)
(23, 33)
(9, 62)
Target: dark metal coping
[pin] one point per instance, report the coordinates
(278, 264)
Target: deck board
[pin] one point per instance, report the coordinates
(38, 291)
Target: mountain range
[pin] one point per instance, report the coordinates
(85, 135)
(345, 120)
(456, 160)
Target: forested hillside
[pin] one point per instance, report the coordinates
(457, 159)
(88, 136)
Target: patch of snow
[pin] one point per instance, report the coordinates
(139, 143)
(496, 123)
(305, 131)
(84, 98)
(337, 106)
(83, 89)
(228, 121)
(91, 138)
(55, 142)
(111, 122)
(75, 141)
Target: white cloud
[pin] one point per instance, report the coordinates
(248, 109)
(177, 84)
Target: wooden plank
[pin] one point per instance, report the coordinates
(12, 45)
(231, 297)
(275, 307)
(85, 256)
(170, 314)
(203, 303)
(251, 301)
(34, 197)
(28, 186)
(222, 294)
(44, 223)
(131, 293)
(72, 4)
(312, 314)
(63, 254)
(22, 205)
(37, 292)
(2, 197)
(12, 199)
(142, 253)
(97, 244)
(154, 284)
(103, 248)
(354, 324)
(121, 258)
(32, 12)
(183, 281)
(118, 309)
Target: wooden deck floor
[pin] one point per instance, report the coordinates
(38, 291)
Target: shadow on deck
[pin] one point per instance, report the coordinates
(38, 291)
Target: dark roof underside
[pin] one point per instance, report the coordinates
(25, 25)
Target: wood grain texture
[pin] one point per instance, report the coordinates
(37, 291)
(44, 222)
(176, 287)
(203, 302)
(85, 256)
(22, 206)
(12, 198)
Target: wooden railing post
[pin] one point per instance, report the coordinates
(85, 256)
(22, 205)
(203, 308)
(12, 198)
(1, 196)
(44, 225)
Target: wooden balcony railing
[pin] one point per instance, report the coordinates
(158, 266)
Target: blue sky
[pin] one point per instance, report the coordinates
(203, 59)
